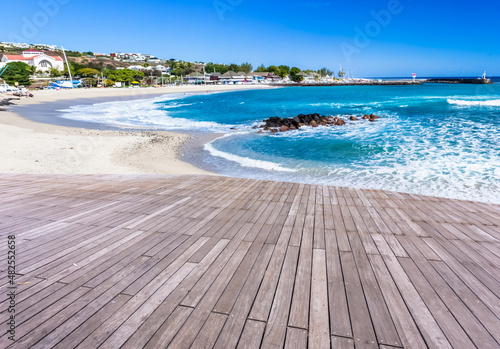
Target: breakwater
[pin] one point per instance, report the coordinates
(355, 83)
(479, 81)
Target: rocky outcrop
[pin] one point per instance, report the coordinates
(276, 124)
(371, 117)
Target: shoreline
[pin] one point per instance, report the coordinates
(35, 147)
(30, 144)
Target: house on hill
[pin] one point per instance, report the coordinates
(163, 69)
(34, 58)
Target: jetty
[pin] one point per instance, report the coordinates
(354, 83)
(480, 81)
(124, 261)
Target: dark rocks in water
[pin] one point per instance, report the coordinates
(371, 117)
(277, 124)
(338, 122)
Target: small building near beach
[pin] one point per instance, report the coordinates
(309, 77)
(36, 59)
(263, 77)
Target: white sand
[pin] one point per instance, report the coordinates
(31, 147)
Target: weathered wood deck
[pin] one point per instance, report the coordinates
(197, 261)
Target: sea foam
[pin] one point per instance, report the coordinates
(142, 113)
(475, 103)
(244, 161)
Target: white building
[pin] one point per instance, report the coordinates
(309, 77)
(48, 47)
(36, 59)
(15, 44)
(140, 68)
(162, 68)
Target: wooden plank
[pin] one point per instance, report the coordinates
(299, 312)
(362, 327)
(230, 334)
(475, 284)
(262, 305)
(342, 343)
(319, 332)
(169, 328)
(427, 325)
(456, 321)
(340, 322)
(296, 338)
(252, 335)
(150, 331)
(127, 328)
(163, 283)
(277, 323)
(298, 226)
(363, 231)
(101, 316)
(476, 264)
(319, 227)
(474, 302)
(384, 327)
(227, 299)
(208, 334)
(340, 230)
(407, 329)
(194, 323)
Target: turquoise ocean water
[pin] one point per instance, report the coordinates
(435, 139)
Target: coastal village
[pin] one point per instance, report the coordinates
(46, 63)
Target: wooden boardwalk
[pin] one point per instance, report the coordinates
(202, 262)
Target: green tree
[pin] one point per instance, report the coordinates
(284, 70)
(219, 68)
(65, 71)
(293, 73)
(246, 67)
(261, 69)
(273, 69)
(54, 72)
(325, 72)
(234, 67)
(87, 72)
(17, 72)
(125, 75)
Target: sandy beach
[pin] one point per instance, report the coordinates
(33, 147)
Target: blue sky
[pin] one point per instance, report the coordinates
(372, 38)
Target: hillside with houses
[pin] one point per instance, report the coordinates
(41, 63)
